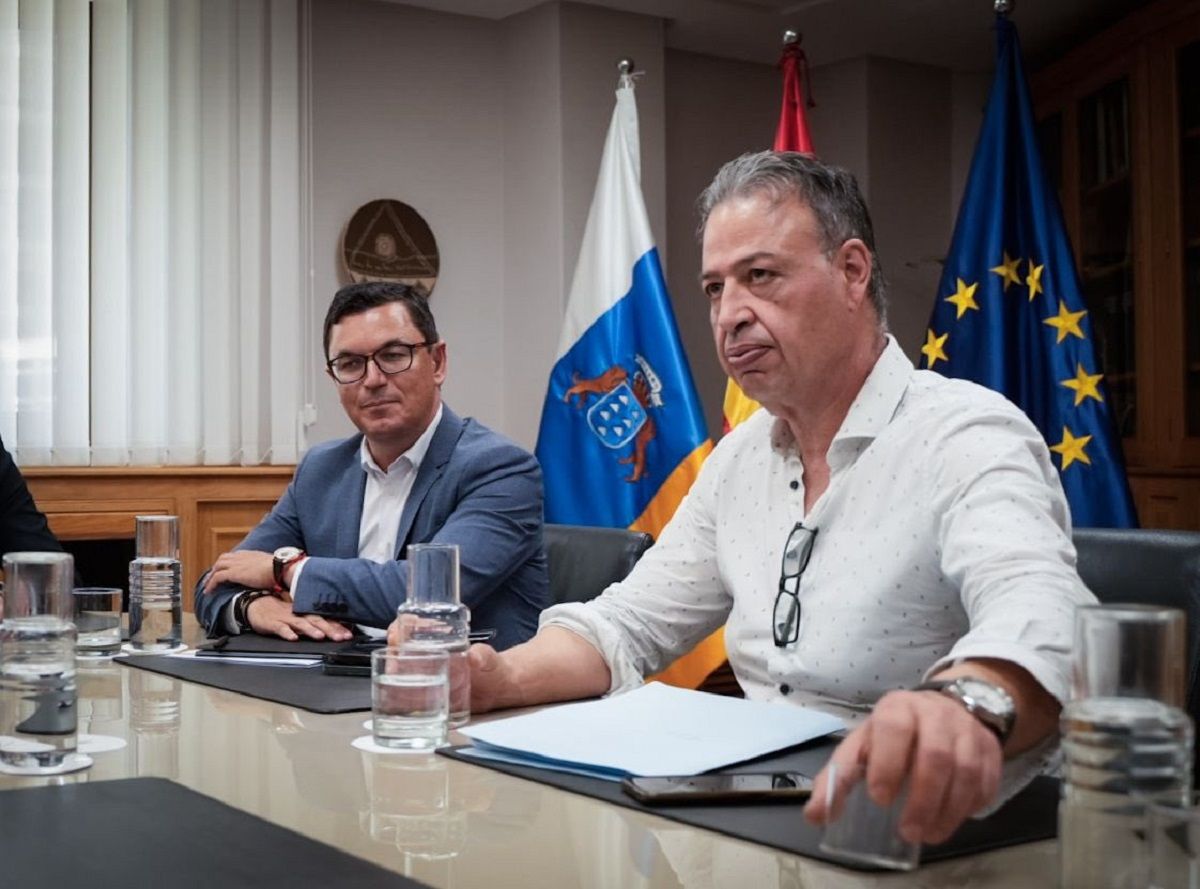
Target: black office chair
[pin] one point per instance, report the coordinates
(583, 561)
(1148, 567)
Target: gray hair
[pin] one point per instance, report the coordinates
(830, 192)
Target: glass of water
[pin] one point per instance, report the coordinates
(155, 587)
(410, 698)
(97, 611)
(1127, 742)
(38, 696)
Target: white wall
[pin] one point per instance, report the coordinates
(908, 115)
(493, 130)
(716, 110)
(407, 104)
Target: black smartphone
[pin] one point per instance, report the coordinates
(347, 663)
(757, 787)
(356, 659)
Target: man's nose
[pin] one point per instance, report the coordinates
(374, 377)
(733, 310)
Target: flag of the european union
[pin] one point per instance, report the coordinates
(1010, 312)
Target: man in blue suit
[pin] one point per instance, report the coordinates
(331, 554)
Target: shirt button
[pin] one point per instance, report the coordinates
(793, 484)
(784, 688)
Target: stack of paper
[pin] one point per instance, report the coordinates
(654, 730)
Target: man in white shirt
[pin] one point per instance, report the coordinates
(873, 529)
(331, 553)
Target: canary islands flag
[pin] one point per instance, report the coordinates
(622, 434)
(1010, 312)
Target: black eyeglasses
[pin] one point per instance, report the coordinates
(785, 622)
(394, 358)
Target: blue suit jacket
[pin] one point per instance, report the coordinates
(474, 488)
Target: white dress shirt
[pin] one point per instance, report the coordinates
(384, 497)
(943, 534)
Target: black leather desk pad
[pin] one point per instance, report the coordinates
(1029, 816)
(154, 832)
(305, 687)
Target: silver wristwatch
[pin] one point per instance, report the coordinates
(987, 702)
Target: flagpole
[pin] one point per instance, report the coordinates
(790, 37)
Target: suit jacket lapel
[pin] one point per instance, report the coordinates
(441, 448)
(350, 488)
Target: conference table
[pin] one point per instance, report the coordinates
(443, 822)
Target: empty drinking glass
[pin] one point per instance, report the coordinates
(862, 830)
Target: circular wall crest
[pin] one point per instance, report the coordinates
(387, 240)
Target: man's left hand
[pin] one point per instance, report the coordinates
(247, 567)
(950, 760)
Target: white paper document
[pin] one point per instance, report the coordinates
(654, 730)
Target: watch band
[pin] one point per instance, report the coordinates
(280, 560)
(997, 714)
(241, 608)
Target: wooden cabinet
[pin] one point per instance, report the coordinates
(1120, 133)
(216, 505)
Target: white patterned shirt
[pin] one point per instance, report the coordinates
(943, 534)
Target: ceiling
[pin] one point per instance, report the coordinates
(952, 34)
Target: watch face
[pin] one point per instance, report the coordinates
(994, 699)
(286, 553)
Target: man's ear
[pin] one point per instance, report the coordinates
(854, 264)
(440, 361)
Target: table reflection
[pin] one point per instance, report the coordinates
(154, 724)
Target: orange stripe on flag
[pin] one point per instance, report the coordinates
(671, 493)
(693, 668)
(738, 405)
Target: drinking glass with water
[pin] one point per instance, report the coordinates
(155, 587)
(38, 696)
(1127, 742)
(97, 615)
(432, 617)
(410, 698)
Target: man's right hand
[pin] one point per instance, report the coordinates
(492, 681)
(272, 616)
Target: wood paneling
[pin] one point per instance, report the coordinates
(216, 505)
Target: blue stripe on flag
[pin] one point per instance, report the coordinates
(583, 439)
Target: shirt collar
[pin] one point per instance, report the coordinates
(873, 407)
(414, 455)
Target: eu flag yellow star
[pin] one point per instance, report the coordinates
(1072, 448)
(1084, 385)
(963, 298)
(932, 350)
(1008, 270)
(1066, 322)
(1034, 279)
